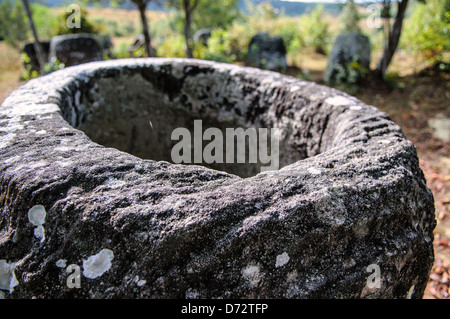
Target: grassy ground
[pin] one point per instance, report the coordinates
(410, 99)
(10, 69)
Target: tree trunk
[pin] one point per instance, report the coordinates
(393, 39)
(142, 6)
(36, 44)
(187, 28)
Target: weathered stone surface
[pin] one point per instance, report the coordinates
(105, 43)
(28, 49)
(351, 51)
(74, 49)
(267, 52)
(202, 36)
(350, 193)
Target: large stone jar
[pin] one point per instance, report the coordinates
(92, 207)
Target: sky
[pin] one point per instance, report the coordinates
(324, 1)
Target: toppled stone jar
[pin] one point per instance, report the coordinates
(92, 207)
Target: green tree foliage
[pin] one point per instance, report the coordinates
(221, 48)
(215, 14)
(290, 31)
(45, 20)
(350, 18)
(141, 5)
(193, 15)
(315, 31)
(13, 25)
(264, 10)
(392, 33)
(446, 12)
(428, 30)
(261, 18)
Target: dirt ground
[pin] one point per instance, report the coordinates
(410, 100)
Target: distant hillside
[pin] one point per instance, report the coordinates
(294, 8)
(126, 5)
(287, 7)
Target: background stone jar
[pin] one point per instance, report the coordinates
(89, 197)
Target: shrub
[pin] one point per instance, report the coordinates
(172, 46)
(221, 48)
(216, 14)
(86, 26)
(350, 18)
(263, 18)
(290, 30)
(115, 29)
(13, 26)
(315, 31)
(28, 73)
(121, 51)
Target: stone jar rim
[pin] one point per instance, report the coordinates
(308, 229)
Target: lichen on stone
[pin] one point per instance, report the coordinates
(36, 215)
(8, 278)
(96, 265)
(282, 259)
